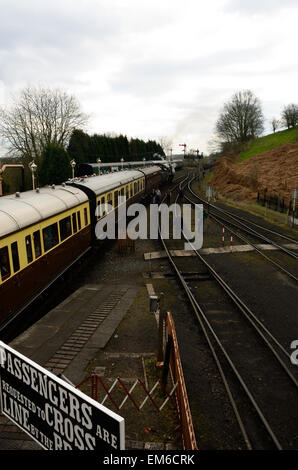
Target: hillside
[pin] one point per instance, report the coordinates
(275, 170)
(269, 142)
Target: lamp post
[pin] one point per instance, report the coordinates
(73, 165)
(33, 169)
(144, 159)
(122, 160)
(99, 162)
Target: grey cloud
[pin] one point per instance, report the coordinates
(197, 125)
(68, 22)
(46, 41)
(35, 24)
(258, 6)
(39, 43)
(139, 77)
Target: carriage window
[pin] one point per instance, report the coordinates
(103, 211)
(127, 192)
(15, 256)
(98, 210)
(29, 248)
(122, 192)
(4, 263)
(86, 216)
(65, 228)
(37, 244)
(79, 220)
(74, 223)
(109, 200)
(116, 198)
(135, 188)
(50, 236)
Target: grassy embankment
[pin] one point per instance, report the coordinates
(268, 142)
(257, 147)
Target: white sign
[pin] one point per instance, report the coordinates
(52, 412)
(294, 194)
(209, 192)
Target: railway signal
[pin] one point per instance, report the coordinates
(184, 148)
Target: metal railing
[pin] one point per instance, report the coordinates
(187, 429)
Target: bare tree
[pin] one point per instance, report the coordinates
(290, 116)
(241, 119)
(37, 118)
(275, 124)
(165, 144)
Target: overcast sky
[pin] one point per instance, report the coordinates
(153, 68)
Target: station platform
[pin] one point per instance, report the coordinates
(105, 328)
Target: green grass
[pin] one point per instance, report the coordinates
(268, 142)
(208, 177)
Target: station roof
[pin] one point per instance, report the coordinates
(139, 164)
(104, 183)
(24, 209)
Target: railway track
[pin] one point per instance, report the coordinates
(60, 290)
(240, 226)
(253, 365)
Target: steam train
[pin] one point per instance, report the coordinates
(44, 232)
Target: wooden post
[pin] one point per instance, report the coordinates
(160, 331)
(287, 216)
(165, 371)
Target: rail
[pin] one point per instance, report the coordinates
(210, 333)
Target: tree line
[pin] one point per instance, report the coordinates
(288, 119)
(86, 148)
(44, 126)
